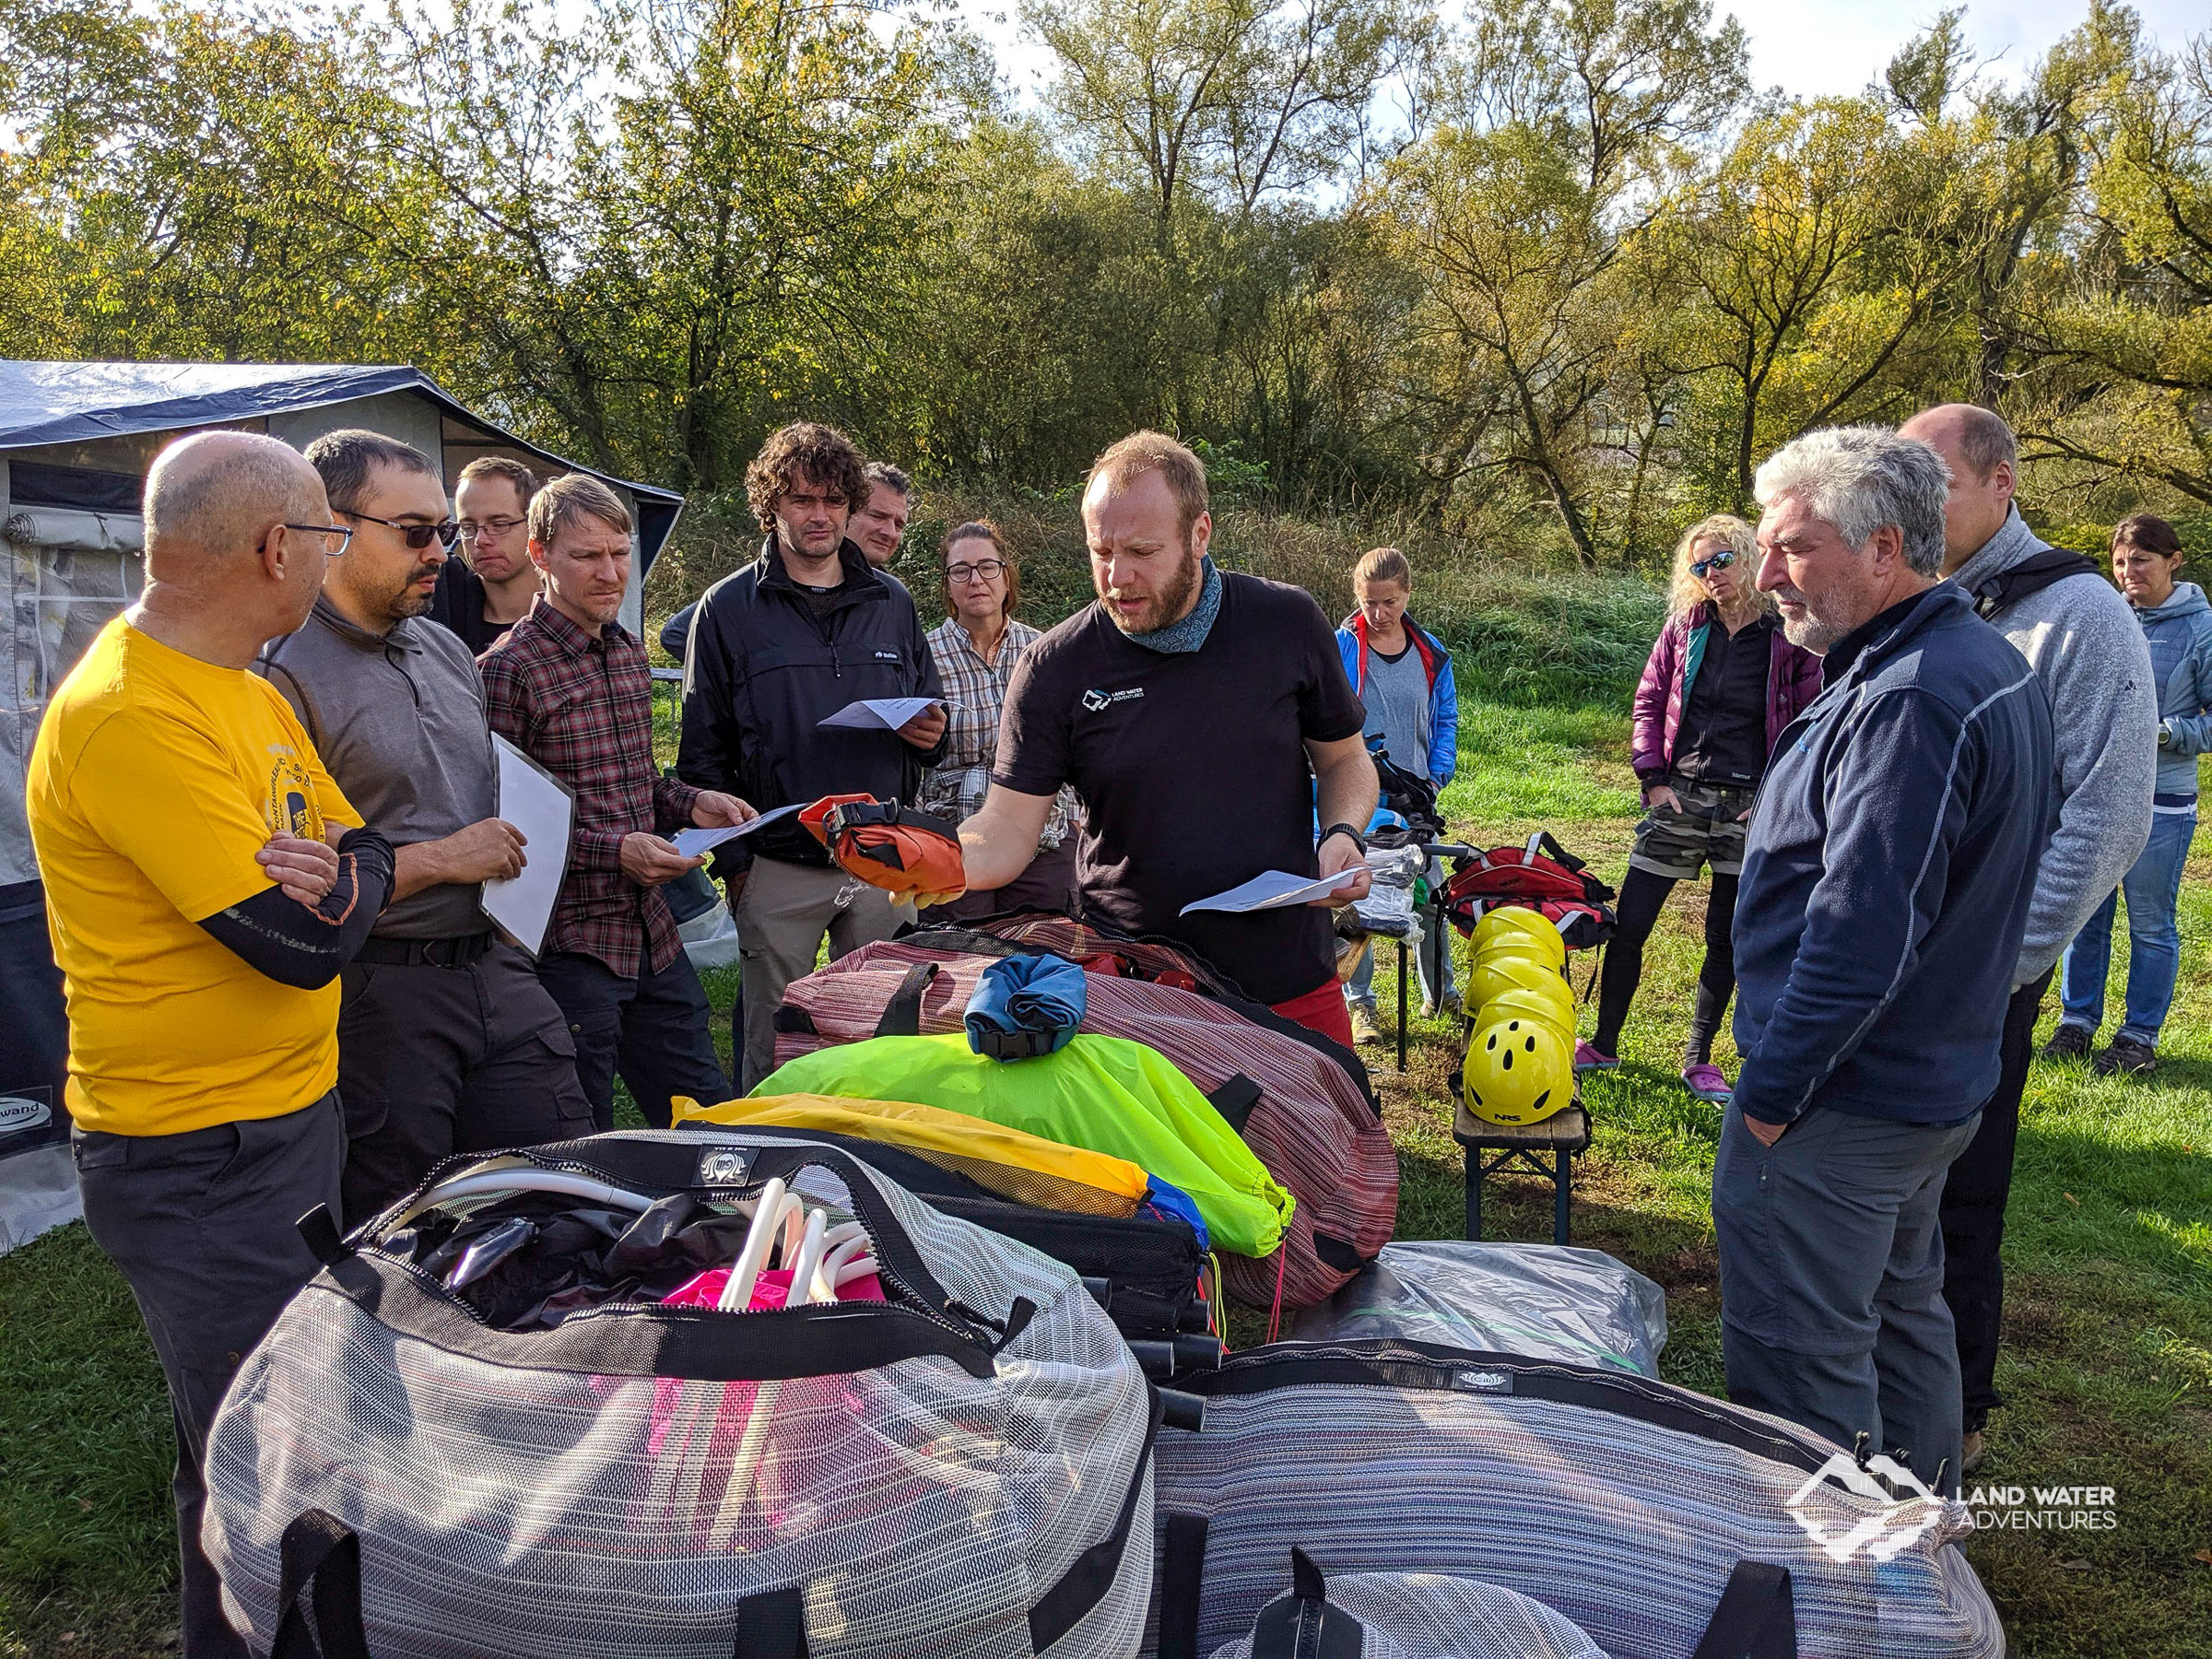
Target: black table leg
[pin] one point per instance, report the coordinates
(1401, 1004)
(1474, 1219)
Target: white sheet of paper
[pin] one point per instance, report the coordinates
(692, 842)
(1275, 889)
(887, 712)
(543, 808)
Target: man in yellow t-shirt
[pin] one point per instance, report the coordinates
(205, 880)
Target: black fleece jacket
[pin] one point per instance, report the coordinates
(763, 672)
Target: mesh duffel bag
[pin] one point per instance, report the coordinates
(481, 1431)
(1403, 1616)
(1624, 1505)
(1145, 1266)
(1317, 1131)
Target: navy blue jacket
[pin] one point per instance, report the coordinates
(763, 672)
(1889, 870)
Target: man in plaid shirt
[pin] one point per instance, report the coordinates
(570, 686)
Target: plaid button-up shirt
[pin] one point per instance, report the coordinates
(977, 690)
(583, 709)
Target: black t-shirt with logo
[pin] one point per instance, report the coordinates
(1192, 771)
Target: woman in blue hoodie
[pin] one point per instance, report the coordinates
(1402, 675)
(2178, 623)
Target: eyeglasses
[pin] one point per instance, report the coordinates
(472, 528)
(1719, 561)
(418, 536)
(987, 570)
(334, 536)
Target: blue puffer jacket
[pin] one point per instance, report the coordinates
(1888, 871)
(2180, 633)
(1443, 689)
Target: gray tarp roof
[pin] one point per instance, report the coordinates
(43, 402)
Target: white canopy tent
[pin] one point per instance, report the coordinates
(76, 442)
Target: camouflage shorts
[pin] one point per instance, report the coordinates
(1678, 844)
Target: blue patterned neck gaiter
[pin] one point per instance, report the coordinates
(1189, 633)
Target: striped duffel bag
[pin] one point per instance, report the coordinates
(1317, 1131)
(1640, 1512)
(511, 1419)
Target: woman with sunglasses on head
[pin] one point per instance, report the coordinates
(976, 649)
(1721, 684)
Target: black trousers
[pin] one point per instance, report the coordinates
(1972, 1213)
(651, 1029)
(202, 1225)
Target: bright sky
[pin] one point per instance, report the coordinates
(1804, 46)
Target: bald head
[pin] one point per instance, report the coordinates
(218, 556)
(1985, 460)
(211, 498)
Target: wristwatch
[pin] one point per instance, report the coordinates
(1358, 840)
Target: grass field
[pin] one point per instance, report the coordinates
(2107, 1367)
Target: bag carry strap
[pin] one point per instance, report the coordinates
(1182, 1567)
(1235, 1099)
(772, 1625)
(1305, 1626)
(320, 1546)
(902, 1014)
(1756, 1617)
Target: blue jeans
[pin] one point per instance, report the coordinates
(2154, 951)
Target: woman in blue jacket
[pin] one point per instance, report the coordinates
(2178, 623)
(1402, 675)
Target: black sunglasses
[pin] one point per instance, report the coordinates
(1719, 561)
(418, 536)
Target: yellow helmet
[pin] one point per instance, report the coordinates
(1504, 970)
(1513, 921)
(1555, 1009)
(1518, 1071)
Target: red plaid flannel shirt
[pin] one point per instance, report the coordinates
(583, 709)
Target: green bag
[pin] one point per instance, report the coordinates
(1106, 1094)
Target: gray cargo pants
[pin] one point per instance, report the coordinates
(783, 912)
(202, 1225)
(1831, 1281)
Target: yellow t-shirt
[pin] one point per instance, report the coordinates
(155, 779)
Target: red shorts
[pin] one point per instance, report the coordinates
(1321, 1009)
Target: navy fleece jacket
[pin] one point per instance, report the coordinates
(1889, 873)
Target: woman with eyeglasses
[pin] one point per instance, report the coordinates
(976, 648)
(1721, 685)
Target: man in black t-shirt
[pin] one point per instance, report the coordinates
(1202, 717)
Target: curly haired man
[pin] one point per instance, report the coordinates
(776, 648)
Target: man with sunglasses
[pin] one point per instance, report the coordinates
(447, 1043)
(487, 591)
(775, 650)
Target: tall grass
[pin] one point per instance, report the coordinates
(1521, 630)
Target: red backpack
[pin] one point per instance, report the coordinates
(1541, 876)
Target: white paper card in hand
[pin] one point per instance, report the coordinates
(692, 842)
(880, 713)
(542, 807)
(1275, 889)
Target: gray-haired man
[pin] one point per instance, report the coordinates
(1885, 886)
(446, 1041)
(2086, 647)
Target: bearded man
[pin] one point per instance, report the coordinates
(1204, 717)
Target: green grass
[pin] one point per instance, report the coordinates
(2108, 1364)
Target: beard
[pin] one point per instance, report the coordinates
(407, 602)
(1165, 606)
(1806, 630)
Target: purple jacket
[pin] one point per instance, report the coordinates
(1793, 681)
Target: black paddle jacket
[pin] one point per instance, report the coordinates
(763, 671)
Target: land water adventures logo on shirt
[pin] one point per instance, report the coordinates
(1099, 702)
